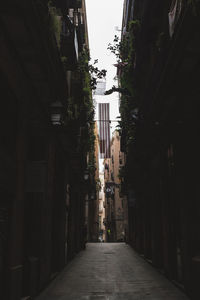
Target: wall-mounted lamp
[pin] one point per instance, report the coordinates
(92, 197)
(86, 175)
(56, 113)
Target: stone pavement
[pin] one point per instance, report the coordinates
(110, 271)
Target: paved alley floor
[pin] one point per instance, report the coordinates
(109, 271)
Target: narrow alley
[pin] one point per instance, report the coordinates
(99, 149)
(110, 271)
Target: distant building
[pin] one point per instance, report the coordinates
(115, 203)
(101, 88)
(104, 130)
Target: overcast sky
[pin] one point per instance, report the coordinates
(104, 17)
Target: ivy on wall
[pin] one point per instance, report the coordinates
(125, 52)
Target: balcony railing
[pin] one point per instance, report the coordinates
(64, 4)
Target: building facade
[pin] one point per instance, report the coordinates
(160, 137)
(43, 150)
(101, 88)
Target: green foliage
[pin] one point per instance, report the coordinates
(91, 150)
(87, 104)
(115, 48)
(80, 110)
(84, 65)
(80, 105)
(83, 101)
(88, 74)
(126, 55)
(125, 51)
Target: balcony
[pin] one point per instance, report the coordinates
(76, 3)
(69, 43)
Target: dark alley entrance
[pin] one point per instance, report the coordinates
(108, 271)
